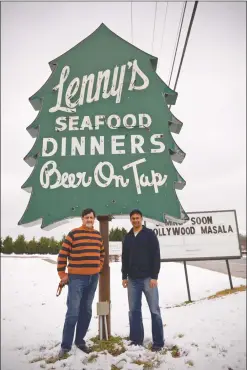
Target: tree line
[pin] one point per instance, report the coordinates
(45, 245)
(51, 246)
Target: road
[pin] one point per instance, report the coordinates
(237, 267)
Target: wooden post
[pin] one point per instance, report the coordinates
(104, 279)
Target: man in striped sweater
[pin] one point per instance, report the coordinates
(83, 249)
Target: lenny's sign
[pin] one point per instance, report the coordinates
(91, 88)
(103, 136)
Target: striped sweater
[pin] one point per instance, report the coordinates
(83, 249)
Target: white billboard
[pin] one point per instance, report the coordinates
(115, 248)
(207, 235)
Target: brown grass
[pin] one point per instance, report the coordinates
(36, 359)
(223, 293)
(92, 357)
(147, 365)
(175, 351)
(190, 363)
(53, 359)
(114, 345)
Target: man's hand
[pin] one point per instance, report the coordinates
(153, 283)
(125, 283)
(65, 279)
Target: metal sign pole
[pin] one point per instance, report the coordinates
(187, 281)
(104, 279)
(229, 273)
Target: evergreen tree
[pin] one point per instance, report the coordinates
(8, 245)
(20, 245)
(32, 246)
(53, 246)
(124, 232)
(111, 234)
(1, 245)
(117, 234)
(44, 245)
(58, 248)
(58, 245)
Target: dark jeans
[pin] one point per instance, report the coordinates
(135, 289)
(81, 290)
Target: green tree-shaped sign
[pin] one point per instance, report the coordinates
(103, 136)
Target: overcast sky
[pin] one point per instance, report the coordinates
(211, 92)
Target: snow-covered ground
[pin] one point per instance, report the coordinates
(54, 256)
(211, 334)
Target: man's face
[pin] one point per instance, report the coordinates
(136, 220)
(88, 220)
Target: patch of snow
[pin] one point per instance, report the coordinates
(210, 333)
(24, 255)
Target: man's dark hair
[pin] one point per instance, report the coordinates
(135, 211)
(87, 211)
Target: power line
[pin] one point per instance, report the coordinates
(131, 15)
(178, 39)
(154, 24)
(164, 24)
(186, 42)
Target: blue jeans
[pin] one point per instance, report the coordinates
(135, 289)
(81, 291)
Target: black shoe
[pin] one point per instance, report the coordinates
(134, 343)
(156, 348)
(83, 348)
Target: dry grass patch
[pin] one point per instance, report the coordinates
(223, 293)
(53, 359)
(189, 363)
(147, 365)
(175, 352)
(92, 357)
(114, 345)
(36, 359)
(185, 303)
